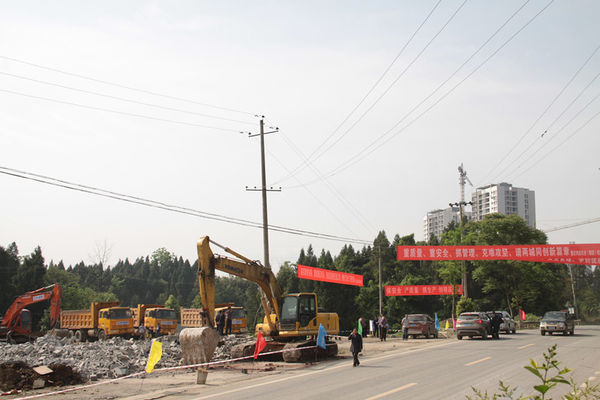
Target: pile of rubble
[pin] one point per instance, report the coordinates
(15, 376)
(110, 358)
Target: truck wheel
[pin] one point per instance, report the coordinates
(459, 337)
(80, 335)
(101, 335)
(514, 330)
(543, 333)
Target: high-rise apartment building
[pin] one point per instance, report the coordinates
(436, 221)
(505, 199)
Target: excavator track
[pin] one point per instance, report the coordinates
(302, 351)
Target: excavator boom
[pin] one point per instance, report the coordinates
(247, 269)
(12, 317)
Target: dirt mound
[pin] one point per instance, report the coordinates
(18, 375)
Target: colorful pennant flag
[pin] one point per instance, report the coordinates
(155, 355)
(321, 337)
(359, 329)
(522, 315)
(261, 343)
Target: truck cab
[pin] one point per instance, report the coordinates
(160, 321)
(115, 321)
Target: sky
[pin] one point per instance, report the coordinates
(376, 105)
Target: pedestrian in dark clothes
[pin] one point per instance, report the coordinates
(355, 346)
(228, 320)
(220, 320)
(376, 331)
(495, 325)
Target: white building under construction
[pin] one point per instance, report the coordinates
(505, 199)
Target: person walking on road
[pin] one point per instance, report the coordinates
(405, 327)
(355, 346)
(383, 327)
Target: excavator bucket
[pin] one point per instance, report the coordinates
(198, 346)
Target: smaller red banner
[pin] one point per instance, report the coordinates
(327, 275)
(422, 290)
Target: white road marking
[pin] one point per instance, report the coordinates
(344, 365)
(477, 361)
(597, 372)
(592, 378)
(527, 345)
(392, 391)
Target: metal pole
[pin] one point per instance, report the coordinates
(380, 297)
(573, 289)
(464, 264)
(264, 194)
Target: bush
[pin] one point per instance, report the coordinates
(551, 375)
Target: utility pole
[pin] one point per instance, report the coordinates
(263, 188)
(380, 294)
(573, 286)
(462, 173)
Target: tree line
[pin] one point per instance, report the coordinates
(164, 278)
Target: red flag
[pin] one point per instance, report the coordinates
(522, 315)
(261, 343)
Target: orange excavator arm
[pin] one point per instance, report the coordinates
(53, 293)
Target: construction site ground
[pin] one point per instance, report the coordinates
(165, 384)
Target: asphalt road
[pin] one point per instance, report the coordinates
(440, 371)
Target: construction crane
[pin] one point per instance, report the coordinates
(462, 173)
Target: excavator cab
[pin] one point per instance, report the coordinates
(298, 310)
(25, 323)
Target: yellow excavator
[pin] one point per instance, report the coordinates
(291, 321)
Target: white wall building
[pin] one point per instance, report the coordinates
(505, 199)
(436, 221)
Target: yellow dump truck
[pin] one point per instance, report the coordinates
(102, 320)
(190, 317)
(156, 319)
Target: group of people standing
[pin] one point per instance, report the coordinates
(223, 320)
(379, 327)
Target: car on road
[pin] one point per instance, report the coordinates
(421, 324)
(472, 324)
(557, 321)
(508, 324)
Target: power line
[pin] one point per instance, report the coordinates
(124, 99)
(374, 145)
(316, 150)
(366, 152)
(576, 131)
(553, 135)
(173, 208)
(125, 86)
(545, 110)
(558, 228)
(117, 111)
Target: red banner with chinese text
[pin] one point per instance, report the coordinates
(422, 290)
(327, 275)
(584, 254)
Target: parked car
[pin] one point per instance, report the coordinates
(472, 324)
(557, 321)
(508, 324)
(421, 324)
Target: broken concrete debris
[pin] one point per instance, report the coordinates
(110, 358)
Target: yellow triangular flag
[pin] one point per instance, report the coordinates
(447, 325)
(155, 355)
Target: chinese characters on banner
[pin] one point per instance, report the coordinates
(422, 290)
(584, 254)
(326, 275)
